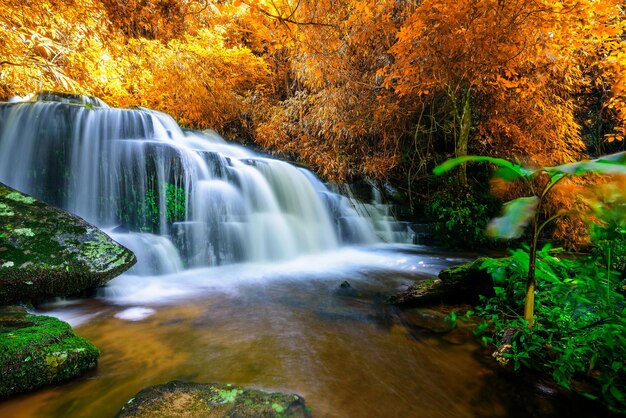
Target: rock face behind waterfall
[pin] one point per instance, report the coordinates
(46, 252)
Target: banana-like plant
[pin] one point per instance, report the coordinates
(519, 213)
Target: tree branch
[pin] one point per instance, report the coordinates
(11, 63)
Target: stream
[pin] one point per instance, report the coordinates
(288, 327)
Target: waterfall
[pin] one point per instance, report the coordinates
(176, 198)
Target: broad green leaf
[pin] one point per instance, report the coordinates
(512, 172)
(506, 173)
(608, 164)
(516, 216)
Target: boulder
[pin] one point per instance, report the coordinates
(189, 399)
(46, 252)
(459, 284)
(39, 350)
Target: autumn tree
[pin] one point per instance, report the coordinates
(36, 38)
(328, 113)
(511, 69)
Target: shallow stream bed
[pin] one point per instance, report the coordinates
(289, 327)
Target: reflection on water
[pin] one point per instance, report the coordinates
(284, 327)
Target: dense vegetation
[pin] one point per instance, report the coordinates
(562, 315)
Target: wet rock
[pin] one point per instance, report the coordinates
(46, 252)
(39, 350)
(70, 98)
(345, 290)
(430, 319)
(505, 347)
(459, 284)
(189, 399)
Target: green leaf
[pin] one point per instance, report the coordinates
(617, 394)
(516, 216)
(512, 172)
(506, 174)
(608, 164)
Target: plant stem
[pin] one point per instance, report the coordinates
(531, 282)
(608, 277)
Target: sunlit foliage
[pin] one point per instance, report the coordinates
(377, 87)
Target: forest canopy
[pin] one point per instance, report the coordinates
(383, 88)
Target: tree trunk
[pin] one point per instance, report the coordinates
(465, 123)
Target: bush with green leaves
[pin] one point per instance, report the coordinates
(527, 210)
(461, 216)
(579, 334)
(558, 315)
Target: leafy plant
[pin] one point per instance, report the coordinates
(174, 205)
(461, 215)
(608, 232)
(521, 212)
(577, 337)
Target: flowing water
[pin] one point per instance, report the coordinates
(241, 261)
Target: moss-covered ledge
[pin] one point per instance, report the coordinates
(46, 252)
(39, 350)
(458, 284)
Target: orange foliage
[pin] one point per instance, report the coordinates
(346, 87)
(522, 59)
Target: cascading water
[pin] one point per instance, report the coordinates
(176, 198)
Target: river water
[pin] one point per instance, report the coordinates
(290, 327)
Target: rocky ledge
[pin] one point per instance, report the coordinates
(189, 399)
(459, 284)
(39, 350)
(47, 252)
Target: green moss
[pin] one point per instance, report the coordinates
(278, 408)
(40, 350)
(178, 399)
(19, 197)
(46, 252)
(27, 232)
(228, 396)
(5, 210)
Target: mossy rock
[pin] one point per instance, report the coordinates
(39, 350)
(459, 284)
(188, 399)
(46, 252)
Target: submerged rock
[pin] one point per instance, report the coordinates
(189, 399)
(39, 350)
(430, 319)
(46, 252)
(458, 284)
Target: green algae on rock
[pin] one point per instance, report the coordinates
(463, 283)
(39, 350)
(46, 252)
(189, 399)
